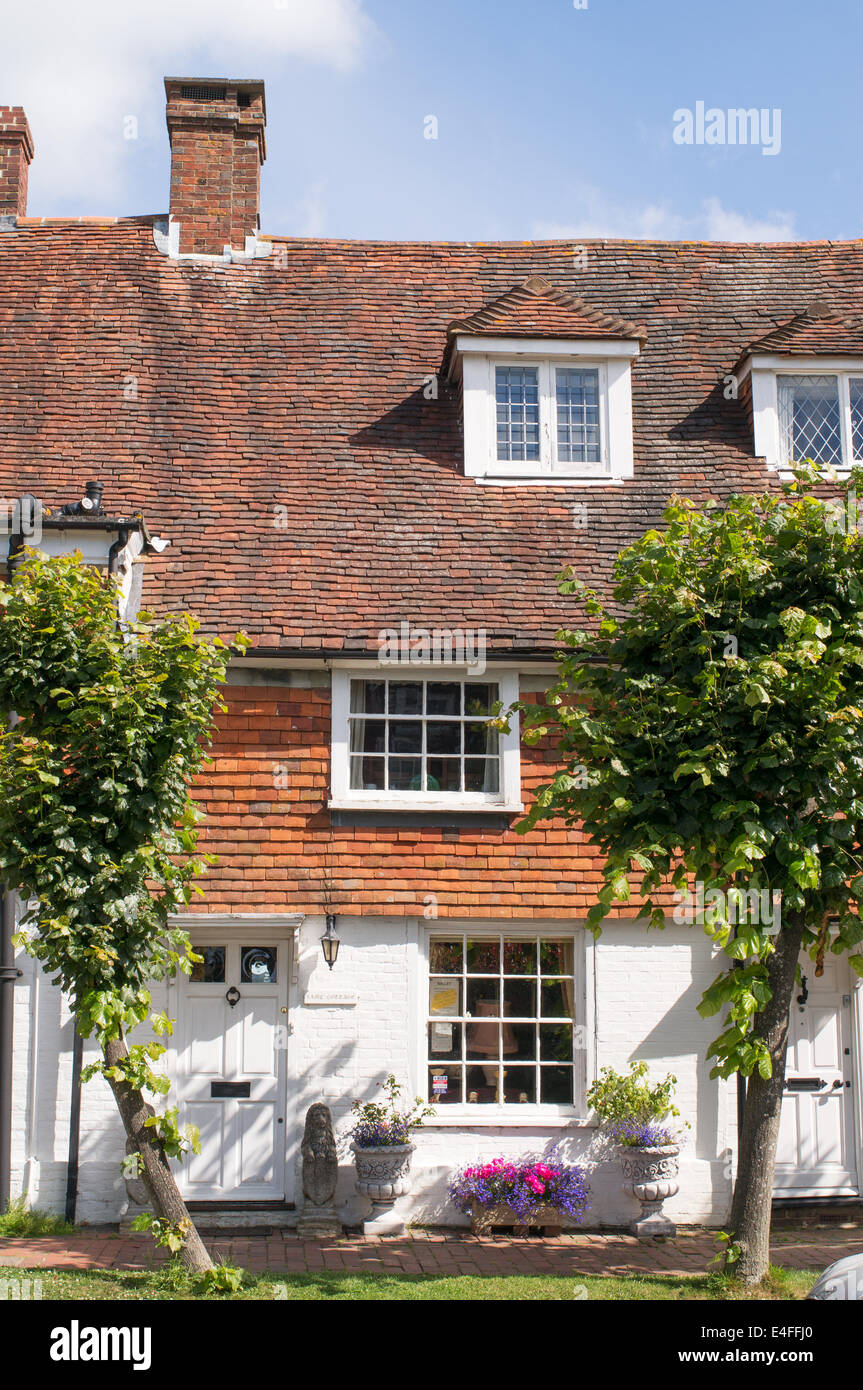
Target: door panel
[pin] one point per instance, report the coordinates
(215, 1041)
(816, 1151)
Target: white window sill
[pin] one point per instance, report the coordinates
(841, 471)
(508, 1117)
(548, 480)
(434, 804)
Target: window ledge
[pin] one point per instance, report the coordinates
(548, 480)
(417, 807)
(465, 1117)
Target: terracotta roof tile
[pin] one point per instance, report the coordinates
(818, 331)
(270, 418)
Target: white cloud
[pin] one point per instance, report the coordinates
(313, 211)
(78, 68)
(602, 217)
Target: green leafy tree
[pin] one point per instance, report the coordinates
(97, 826)
(710, 732)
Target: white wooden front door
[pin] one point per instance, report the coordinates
(228, 1072)
(816, 1153)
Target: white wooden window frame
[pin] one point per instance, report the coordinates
(766, 371)
(514, 1116)
(345, 797)
(612, 360)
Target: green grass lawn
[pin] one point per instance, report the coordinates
(167, 1284)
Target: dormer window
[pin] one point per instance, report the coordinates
(550, 415)
(807, 391)
(546, 389)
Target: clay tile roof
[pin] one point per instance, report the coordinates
(818, 330)
(537, 309)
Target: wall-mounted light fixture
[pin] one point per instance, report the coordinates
(330, 942)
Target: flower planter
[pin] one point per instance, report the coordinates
(383, 1175)
(651, 1176)
(483, 1219)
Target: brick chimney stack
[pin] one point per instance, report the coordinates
(16, 151)
(216, 129)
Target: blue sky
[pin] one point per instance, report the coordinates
(551, 120)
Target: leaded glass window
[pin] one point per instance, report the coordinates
(517, 412)
(810, 419)
(855, 389)
(577, 403)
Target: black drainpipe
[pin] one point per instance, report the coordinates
(74, 1124)
(9, 973)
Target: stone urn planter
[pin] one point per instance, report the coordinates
(384, 1175)
(483, 1219)
(651, 1176)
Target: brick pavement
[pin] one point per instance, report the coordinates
(435, 1252)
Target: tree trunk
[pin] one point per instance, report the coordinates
(753, 1191)
(158, 1178)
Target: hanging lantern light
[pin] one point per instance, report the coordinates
(330, 942)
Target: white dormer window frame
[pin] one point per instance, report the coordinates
(612, 362)
(767, 372)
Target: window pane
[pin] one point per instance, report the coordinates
(482, 775)
(555, 1085)
(483, 1001)
(523, 1037)
(443, 775)
(445, 1085)
(478, 699)
(210, 970)
(557, 999)
(483, 1084)
(577, 398)
(809, 418)
(483, 957)
(519, 1085)
(519, 998)
(367, 697)
(445, 957)
(405, 774)
(368, 735)
(555, 1042)
(405, 736)
(480, 739)
(405, 697)
(444, 738)
(517, 397)
(443, 698)
(855, 386)
(445, 1041)
(556, 957)
(519, 958)
(445, 995)
(482, 1040)
(258, 965)
(367, 774)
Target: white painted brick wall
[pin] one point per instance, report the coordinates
(647, 988)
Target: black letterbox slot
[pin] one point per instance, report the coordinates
(226, 1090)
(804, 1083)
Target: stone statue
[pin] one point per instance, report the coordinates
(320, 1173)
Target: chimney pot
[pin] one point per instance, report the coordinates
(16, 152)
(216, 129)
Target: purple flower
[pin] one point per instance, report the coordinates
(640, 1134)
(522, 1186)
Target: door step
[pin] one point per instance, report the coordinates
(259, 1217)
(817, 1211)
